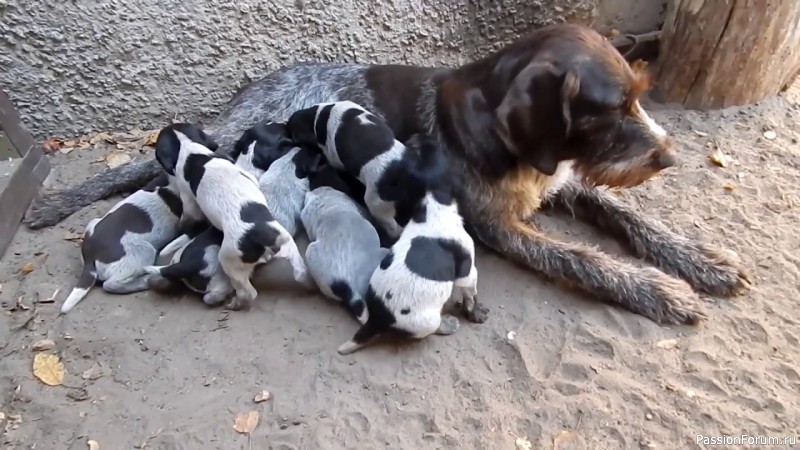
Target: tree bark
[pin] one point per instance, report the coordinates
(721, 53)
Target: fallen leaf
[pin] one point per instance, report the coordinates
(66, 150)
(48, 368)
(117, 159)
(522, 443)
(72, 236)
(100, 137)
(567, 439)
(700, 133)
(44, 344)
(667, 344)
(770, 135)
(79, 394)
(729, 187)
(151, 141)
(95, 372)
(28, 268)
(261, 397)
(52, 145)
(2, 416)
(93, 445)
(719, 158)
(245, 423)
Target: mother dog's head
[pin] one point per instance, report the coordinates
(564, 93)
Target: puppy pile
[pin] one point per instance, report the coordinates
(333, 170)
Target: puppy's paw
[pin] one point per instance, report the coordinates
(214, 298)
(237, 304)
(479, 314)
(448, 325)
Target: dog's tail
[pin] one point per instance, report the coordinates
(352, 301)
(363, 336)
(86, 280)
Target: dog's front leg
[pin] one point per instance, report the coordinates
(706, 269)
(645, 291)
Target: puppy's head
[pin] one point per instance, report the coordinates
(261, 145)
(302, 126)
(172, 137)
(565, 93)
(327, 176)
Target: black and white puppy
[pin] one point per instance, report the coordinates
(345, 248)
(358, 142)
(196, 266)
(282, 169)
(128, 237)
(433, 255)
(215, 189)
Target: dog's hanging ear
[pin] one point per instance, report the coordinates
(168, 148)
(302, 126)
(242, 145)
(525, 120)
(308, 161)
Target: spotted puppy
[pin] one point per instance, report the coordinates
(282, 169)
(213, 188)
(433, 255)
(127, 238)
(345, 248)
(356, 141)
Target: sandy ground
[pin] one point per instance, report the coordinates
(172, 374)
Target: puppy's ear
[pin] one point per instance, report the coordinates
(302, 125)
(527, 119)
(168, 148)
(308, 161)
(242, 145)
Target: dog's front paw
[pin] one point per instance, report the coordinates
(214, 298)
(473, 311)
(237, 304)
(663, 298)
(721, 274)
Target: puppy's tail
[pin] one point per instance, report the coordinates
(363, 336)
(85, 282)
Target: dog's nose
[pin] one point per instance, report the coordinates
(666, 160)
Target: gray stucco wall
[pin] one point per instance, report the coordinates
(75, 66)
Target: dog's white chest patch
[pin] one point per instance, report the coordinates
(564, 173)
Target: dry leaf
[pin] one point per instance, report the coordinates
(700, 133)
(93, 445)
(729, 187)
(95, 372)
(245, 423)
(52, 145)
(73, 236)
(261, 397)
(117, 159)
(28, 268)
(99, 137)
(667, 344)
(151, 141)
(48, 368)
(567, 439)
(44, 344)
(66, 150)
(770, 135)
(719, 158)
(522, 443)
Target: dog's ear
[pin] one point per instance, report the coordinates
(535, 113)
(308, 161)
(242, 145)
(168, 148)
(302, 126)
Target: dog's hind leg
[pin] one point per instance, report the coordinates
(290, 251)
(706, 269)
(52, 208)
(645, 291)
(238, 273)
(468, 285)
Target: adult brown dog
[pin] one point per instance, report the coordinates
(544, 121)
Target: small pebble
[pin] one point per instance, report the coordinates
(649, 416)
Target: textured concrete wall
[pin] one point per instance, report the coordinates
(74, 66)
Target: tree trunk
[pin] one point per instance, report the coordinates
(720, 53)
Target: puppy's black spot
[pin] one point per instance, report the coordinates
(194, 169)
(389, 295)
(342, 290)
(172, 200)
(405, 311)
(437, 259)
(387, 260)
(105, 243)
(307, 161)
(321, 125)
(358, 143)
(260, 236)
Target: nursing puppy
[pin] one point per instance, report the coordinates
(356, 141)
(213, 188)
(433, 255)
(282, 169)
(116, 246)
(345, 247)
(195, 266)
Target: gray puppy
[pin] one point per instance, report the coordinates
(345, 248)
(116, 246)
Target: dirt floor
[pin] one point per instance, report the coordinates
(149, 371)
